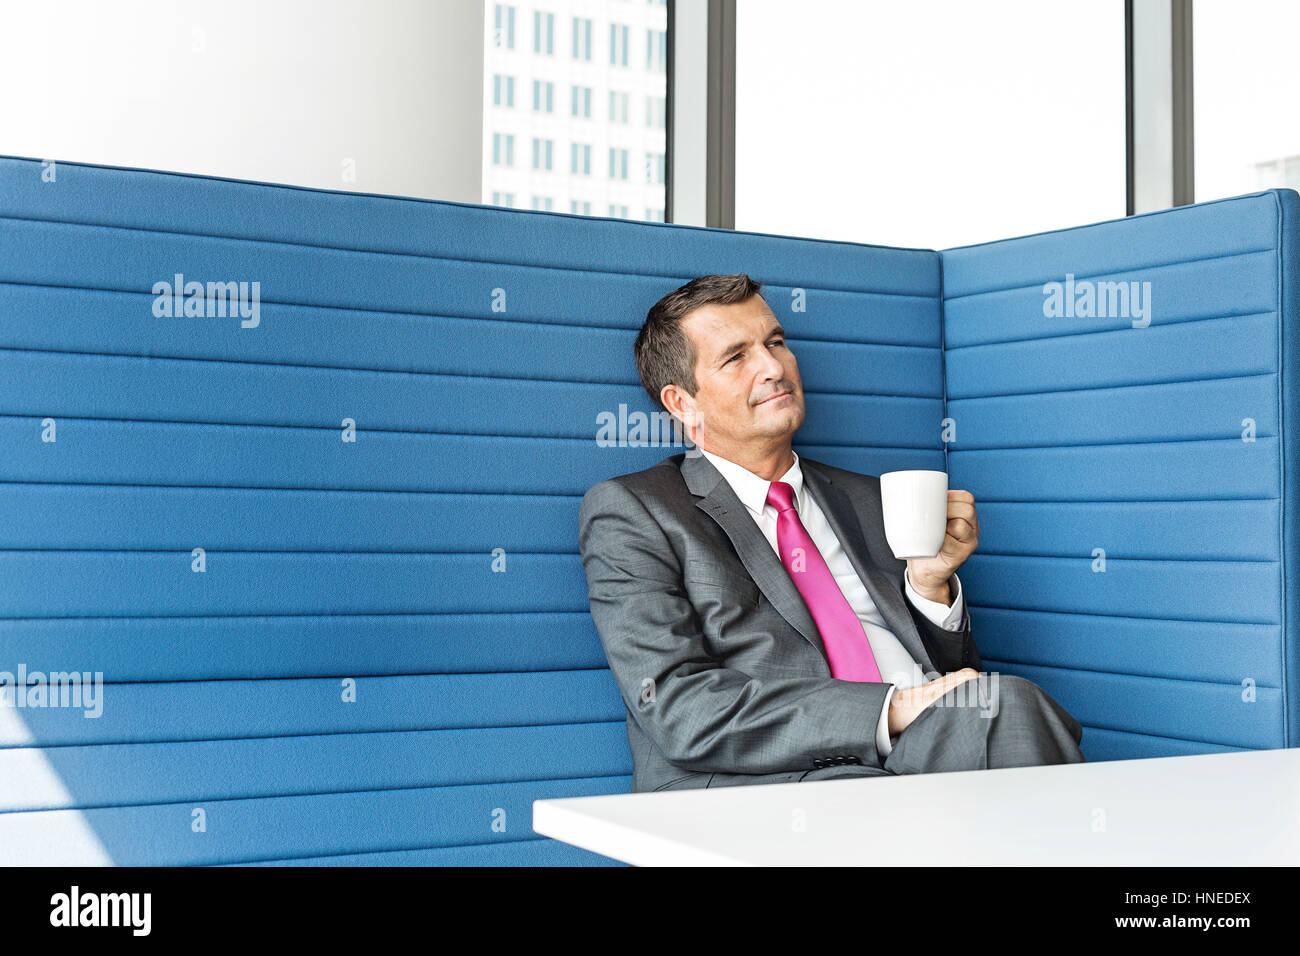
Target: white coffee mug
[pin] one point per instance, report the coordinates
(915, 505)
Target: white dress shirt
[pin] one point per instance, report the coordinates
(892, 658)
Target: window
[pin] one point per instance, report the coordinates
(1246, 82)
(654, 215)
(580, 159)
(617, 45)
(609, 118)
(542, 153)
(617, 107)
(503, 90)
(504, 27)
(617, 163)
(503, 199)
(1013, 118)
(543, 32)
(581, 102)
(655, 167)
(581, 39)
(619, 212)
(582, 208)
(503, 149)
(656, 50)
(543, 96)
(656, 112)
(543, 202)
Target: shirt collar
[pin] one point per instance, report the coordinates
(752, 489)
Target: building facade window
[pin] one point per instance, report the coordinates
(543, 96)
(580, 159)
(656, 112)
(580, 102)
(618, 107)
(656, 50)
(655, 167)
(617, 45)
(504, 27)
(503, 149)
(582, 38)
(503, 90)
(617, 163)
(543, 32)
(542, 153)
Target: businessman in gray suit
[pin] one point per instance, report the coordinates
(701, 574)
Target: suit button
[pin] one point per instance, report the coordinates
(819, 763)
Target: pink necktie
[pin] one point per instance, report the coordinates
(847, 647)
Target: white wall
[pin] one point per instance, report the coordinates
(284, 91)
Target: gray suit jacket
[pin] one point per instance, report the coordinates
(717, 658)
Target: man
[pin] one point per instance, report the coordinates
(758, 626)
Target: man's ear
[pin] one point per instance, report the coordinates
(682, 408)
(678, 404)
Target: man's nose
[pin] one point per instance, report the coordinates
(773, 369)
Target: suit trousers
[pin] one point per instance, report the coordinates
(975, 726)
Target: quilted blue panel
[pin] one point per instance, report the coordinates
(1120, 395)
(429, 567)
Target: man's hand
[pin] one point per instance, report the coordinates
(930, 575)
(906, 705)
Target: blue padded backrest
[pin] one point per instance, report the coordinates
(475, 349)
(1137, 495)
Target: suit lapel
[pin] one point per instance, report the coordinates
(719, 501)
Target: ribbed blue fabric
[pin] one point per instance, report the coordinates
(388, 654)
(476, 349)
(1138, 495)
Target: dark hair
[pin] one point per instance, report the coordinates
(664, 353)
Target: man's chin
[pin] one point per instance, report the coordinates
(776, 425)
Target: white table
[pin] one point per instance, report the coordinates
(1226, 809)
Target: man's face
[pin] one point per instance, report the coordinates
(749, 390)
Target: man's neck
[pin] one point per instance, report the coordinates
(768, 463)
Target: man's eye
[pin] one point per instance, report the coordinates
(732, 359)
(778, 341)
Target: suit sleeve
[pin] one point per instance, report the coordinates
(950, 617)
(951, 650)
(701, 715)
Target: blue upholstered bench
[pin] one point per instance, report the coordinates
(321, 543)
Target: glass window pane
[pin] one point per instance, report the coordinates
(573, 133)
(1245, 90)
(931, 123)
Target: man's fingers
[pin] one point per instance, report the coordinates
(957, 677)
(926, 694)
